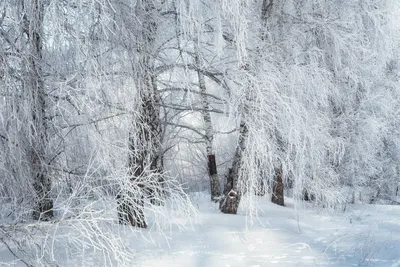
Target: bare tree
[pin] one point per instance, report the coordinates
(145, 137)
(33, 86)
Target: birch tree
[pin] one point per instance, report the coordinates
(209, 135)
(230, 201)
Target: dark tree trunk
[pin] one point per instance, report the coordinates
(214, 181)
(266, 12)
(277, 188)
(131, 206)
(229, 202)
(145, 139)
(260, 187)
(308, 196)
(34, 86)
(130, 210)
(305, 195)
(156, 190)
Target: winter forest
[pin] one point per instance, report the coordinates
(200, 133)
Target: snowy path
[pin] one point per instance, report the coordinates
(363, 236)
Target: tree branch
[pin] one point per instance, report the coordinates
(189, 108)
(169, 89)
(186, 127)
(93, 121)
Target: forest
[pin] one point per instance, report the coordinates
(117, 116)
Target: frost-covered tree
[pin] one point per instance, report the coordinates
(338, 49)
(144, 140)
(109, 107)
(89, 62)
(25, 102)
(314, 60)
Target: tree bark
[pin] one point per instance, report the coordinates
(266, 11)
(215, 187)
(230, 200)
(130, 210)
(33, 84)
(260, 187)
(278, 188)
(157, 157)
(145, 140)
(307, 196)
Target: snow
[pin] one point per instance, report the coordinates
(298, 234)
(364, 235)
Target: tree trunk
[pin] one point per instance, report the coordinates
(212, 165)
(214, 181)
(308, 196)
(157, 157)
(229, 202)
(260, 187)
(130, 210)
(277, 184)
(266, 11)
(277, 188)
(156, 191)
(145, 140)
(34, 87)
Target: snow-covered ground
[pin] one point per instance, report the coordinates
(294, 235)
(364, 235)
